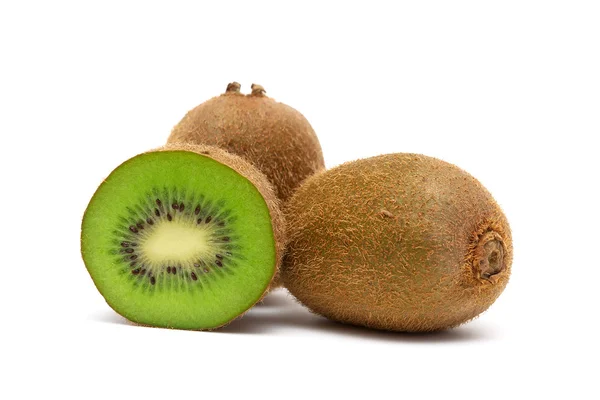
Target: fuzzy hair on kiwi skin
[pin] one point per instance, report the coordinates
(399, 242)
(272, 136)
(265, 189)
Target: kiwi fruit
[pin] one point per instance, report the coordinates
(272, 136)
(184, 236)
(400, 242)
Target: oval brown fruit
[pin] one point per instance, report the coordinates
(400, 242)
(274, 137)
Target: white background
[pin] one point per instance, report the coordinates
(508, 90)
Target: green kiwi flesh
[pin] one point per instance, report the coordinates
(178, 239)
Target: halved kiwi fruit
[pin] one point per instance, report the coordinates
(272, 136)
(400, 242)
(185, 237)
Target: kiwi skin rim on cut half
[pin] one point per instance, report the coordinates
(400, 242)
(184, 294)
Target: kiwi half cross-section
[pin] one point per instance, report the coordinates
(185, 236)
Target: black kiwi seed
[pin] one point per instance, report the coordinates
(133, 229)
(194, 277)
(197, 210)
(225, 238)
(219, 263)
(175, 206)
(133, 257)
(168, 270)
(135, 271)
(181, 206)
(125, 244)
(140, 225)
(156, 212)
(149, 221)
(129, 250)
(158, 203)
(219, 256)
(199, 220)
(208, 219)
(169, 217)
(153, 280)
(206, 270)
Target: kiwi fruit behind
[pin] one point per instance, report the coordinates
(184, 236)
(272, 136)
(400, 242)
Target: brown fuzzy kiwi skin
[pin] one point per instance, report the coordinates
(272, 136)
(400, 242)
(265, 189)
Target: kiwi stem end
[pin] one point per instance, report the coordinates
(233, 87)
(489, 260)
(257, 90)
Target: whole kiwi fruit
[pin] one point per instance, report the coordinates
(272, 136)
(184, 236)
(400, 242)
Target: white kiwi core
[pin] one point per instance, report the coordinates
(171, 242)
